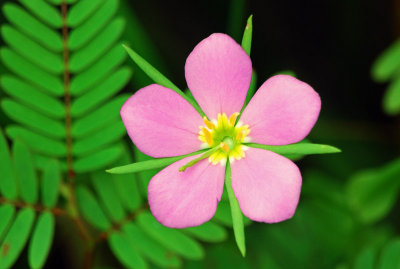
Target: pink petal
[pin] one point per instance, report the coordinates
(267, 185)
(186, 199)
(218, 73)
(161, 123)
(283, 111)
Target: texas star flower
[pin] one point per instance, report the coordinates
(163, 124)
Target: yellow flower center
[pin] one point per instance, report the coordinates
(225, 134)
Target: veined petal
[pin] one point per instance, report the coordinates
(267, 185)
(218, 73)
(186, 199)
(161, 123)
(283, 111)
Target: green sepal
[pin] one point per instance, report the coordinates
(300, 148)
(247, 35)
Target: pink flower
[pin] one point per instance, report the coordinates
(163, 124)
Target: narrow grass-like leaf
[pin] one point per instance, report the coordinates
(32, 97)
(93, 75)
(32, 51)
(247, 35)
(159, 78)
(81, 11)
(237, 216)
(154, 252)
(298, 148)
(124, 251)
(149, 164)
(172, 239)
(98, 160)
(16, 237)
(388, 63)
(127, 186)
(44, 11)
(86, 31)
(208, 232)
(30, 72)
(7, 213)
(390, 257)
(84, 57)
(25, 172)
(108, 195)
(90, 209)
(29, 117)
(391, 99)
(37, 142)
(101, 92)
(366, 260)
(50, 184)
(113, 132)
(32, 27)
(223, 215)
(251, 91)
(8, 184)
(42, 238)
(99, 118)
(373, 193)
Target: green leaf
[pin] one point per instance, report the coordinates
(84, 57)
(113, 132)
(44, 11)
(237, 217)
(247, 35)
(223, 215)
(50, 183)
(366, 259)
(32, 97)
(96, 120)
(29, 117)
(32, 51)
(250, 92)
(41, 162)
(172, 239)
(42, 238)
(101, 92)
(8, 184)
(32, 27)
(81, 11)
(127, 186)
(390, 257)
(98, 160)
(37, 142)
(25, 172)
(7, 213)
(373, 193)
(149, 164)
(387, 64)
(16, 237)
(107, 192)
(51, 84)
(391, 99)
(91, 210)
(87, 30)
(298, 148)
(159, 78)
(208, 232)
(98, 71)
(150, 249)
(124, 251)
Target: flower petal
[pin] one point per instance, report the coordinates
(283, 111)
(161, 123)
(267, 185)
(186, 199)
(218, 73)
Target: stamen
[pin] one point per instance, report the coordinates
(224, 147)
(208, 136)
(239, 136)
(233, 117)
(208, 123)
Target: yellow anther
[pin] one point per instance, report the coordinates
(224, 146)
(208, 123)
(233, 117)
(208, 136)
(239, 136)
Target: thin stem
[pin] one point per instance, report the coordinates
(39, 208)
